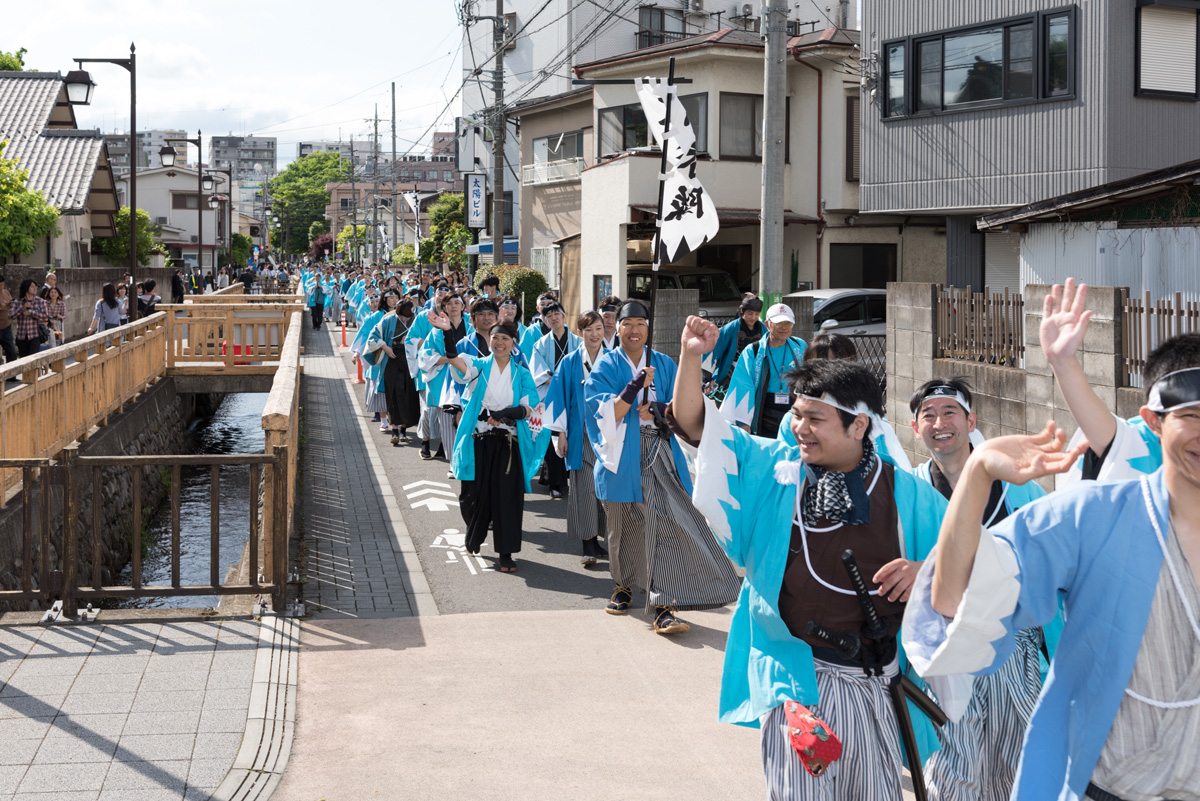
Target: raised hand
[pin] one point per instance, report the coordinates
(1064, 321)
(439, 320)
(1019, 459)
(699, 336)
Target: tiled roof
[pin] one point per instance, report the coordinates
(61, 161)
(829, 37)
(725, 37)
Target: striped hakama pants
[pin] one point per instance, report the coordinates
(979, 755)
(447, 426)
(427, 426)
(585, 514)
(858, 709)
(376, 401)
(664, 544)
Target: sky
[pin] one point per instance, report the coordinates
(293, 69)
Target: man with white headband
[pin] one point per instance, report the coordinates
(1119, 717)
(787, 513)
(980, 749)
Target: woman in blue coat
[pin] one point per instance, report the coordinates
(495, 450)
(565, 416)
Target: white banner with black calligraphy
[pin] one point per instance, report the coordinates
(688, 215)
(414, 202)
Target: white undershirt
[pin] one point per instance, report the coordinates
(647, 393)
(499, 394)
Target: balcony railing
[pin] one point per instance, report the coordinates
(551, 172)
(650, 38)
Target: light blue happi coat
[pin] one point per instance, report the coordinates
(724, 355)
(565, 404)
(750, 505)
(533, 448)
(543, 359)
(1135, 451)
(1094, 545)
(364, 330)
(417, 335)
(617, 443)
(741, 404)
(383, 331)
(441, 386)
(529, 338)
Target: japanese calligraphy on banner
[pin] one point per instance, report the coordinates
(476, 200)
(687, 214)
(414, 203)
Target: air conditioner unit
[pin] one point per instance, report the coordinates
(160, 220)
(695, 6)
(747, 10)
(195, 239)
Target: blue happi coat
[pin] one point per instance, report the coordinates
(617, 443)
(565, 404)
(724, 355)
(417, 335)
(524, 394)
(750, 504)
(543, 359)
(1093, 545)
(383, 331)
(442, 388)
(529, 338)
(364, 330)
(1135, 451)
(745, 393)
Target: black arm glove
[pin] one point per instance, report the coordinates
(511, 414)
(629, 394)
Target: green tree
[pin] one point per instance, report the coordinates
(454, 244)
(242, 248)
(427, 253)
(404, 254)
(300, 189)
(116, 248)
(443, 215)
(14, 62)
(346, 237)
(25, 216)
(315, 230)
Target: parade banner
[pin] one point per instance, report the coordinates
(687, 216)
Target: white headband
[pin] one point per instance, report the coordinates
(1177, 390)
(884, 430)
(945, 391)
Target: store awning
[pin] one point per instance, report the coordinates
(510, 246)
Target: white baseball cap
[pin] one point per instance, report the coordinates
(780, 313)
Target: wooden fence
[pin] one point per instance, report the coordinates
(217, 338)
(980, 326)
(281, 429)
(1146, 323)
(67, 390)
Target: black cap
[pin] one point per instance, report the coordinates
(633, 308)
(752, 304)
(508, 329)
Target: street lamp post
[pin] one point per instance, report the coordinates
(229, 214)
(167, 156)
(79, 87)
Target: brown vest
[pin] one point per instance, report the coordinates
(802, 598)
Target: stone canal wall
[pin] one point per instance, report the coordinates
(156, 423)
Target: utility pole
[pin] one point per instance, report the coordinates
(353, 208)
(393, 229)
(375, 192)
(499, 129)
(770, 248)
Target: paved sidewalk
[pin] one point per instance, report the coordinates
(123, 711)
(359, 560)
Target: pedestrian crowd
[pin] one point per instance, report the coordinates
(953, 618)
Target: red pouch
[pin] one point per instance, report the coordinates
(813, 741)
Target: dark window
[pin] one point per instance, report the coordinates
(877, 308)
(558, 148)
(638, 285)
(853, 138)
(697, 112)
(418, 175)
(508, 213)
(1058, 62)
(846, 311)
(180, 200)
(344, 204)
(1018, 60)
(622, 128)
(894, 104)
(659, 25)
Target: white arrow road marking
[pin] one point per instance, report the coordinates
(418, 493)
(435, 504)
(425, 484)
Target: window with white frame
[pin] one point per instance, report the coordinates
(559, 147)
(624, 128)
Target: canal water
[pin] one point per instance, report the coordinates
(235, 427)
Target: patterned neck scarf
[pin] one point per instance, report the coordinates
(833, 495)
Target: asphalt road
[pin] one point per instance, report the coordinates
(549, 575)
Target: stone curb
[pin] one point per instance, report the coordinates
(416, 587)
(271, 719)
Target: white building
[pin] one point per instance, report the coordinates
(546, 40)
(169, 195)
